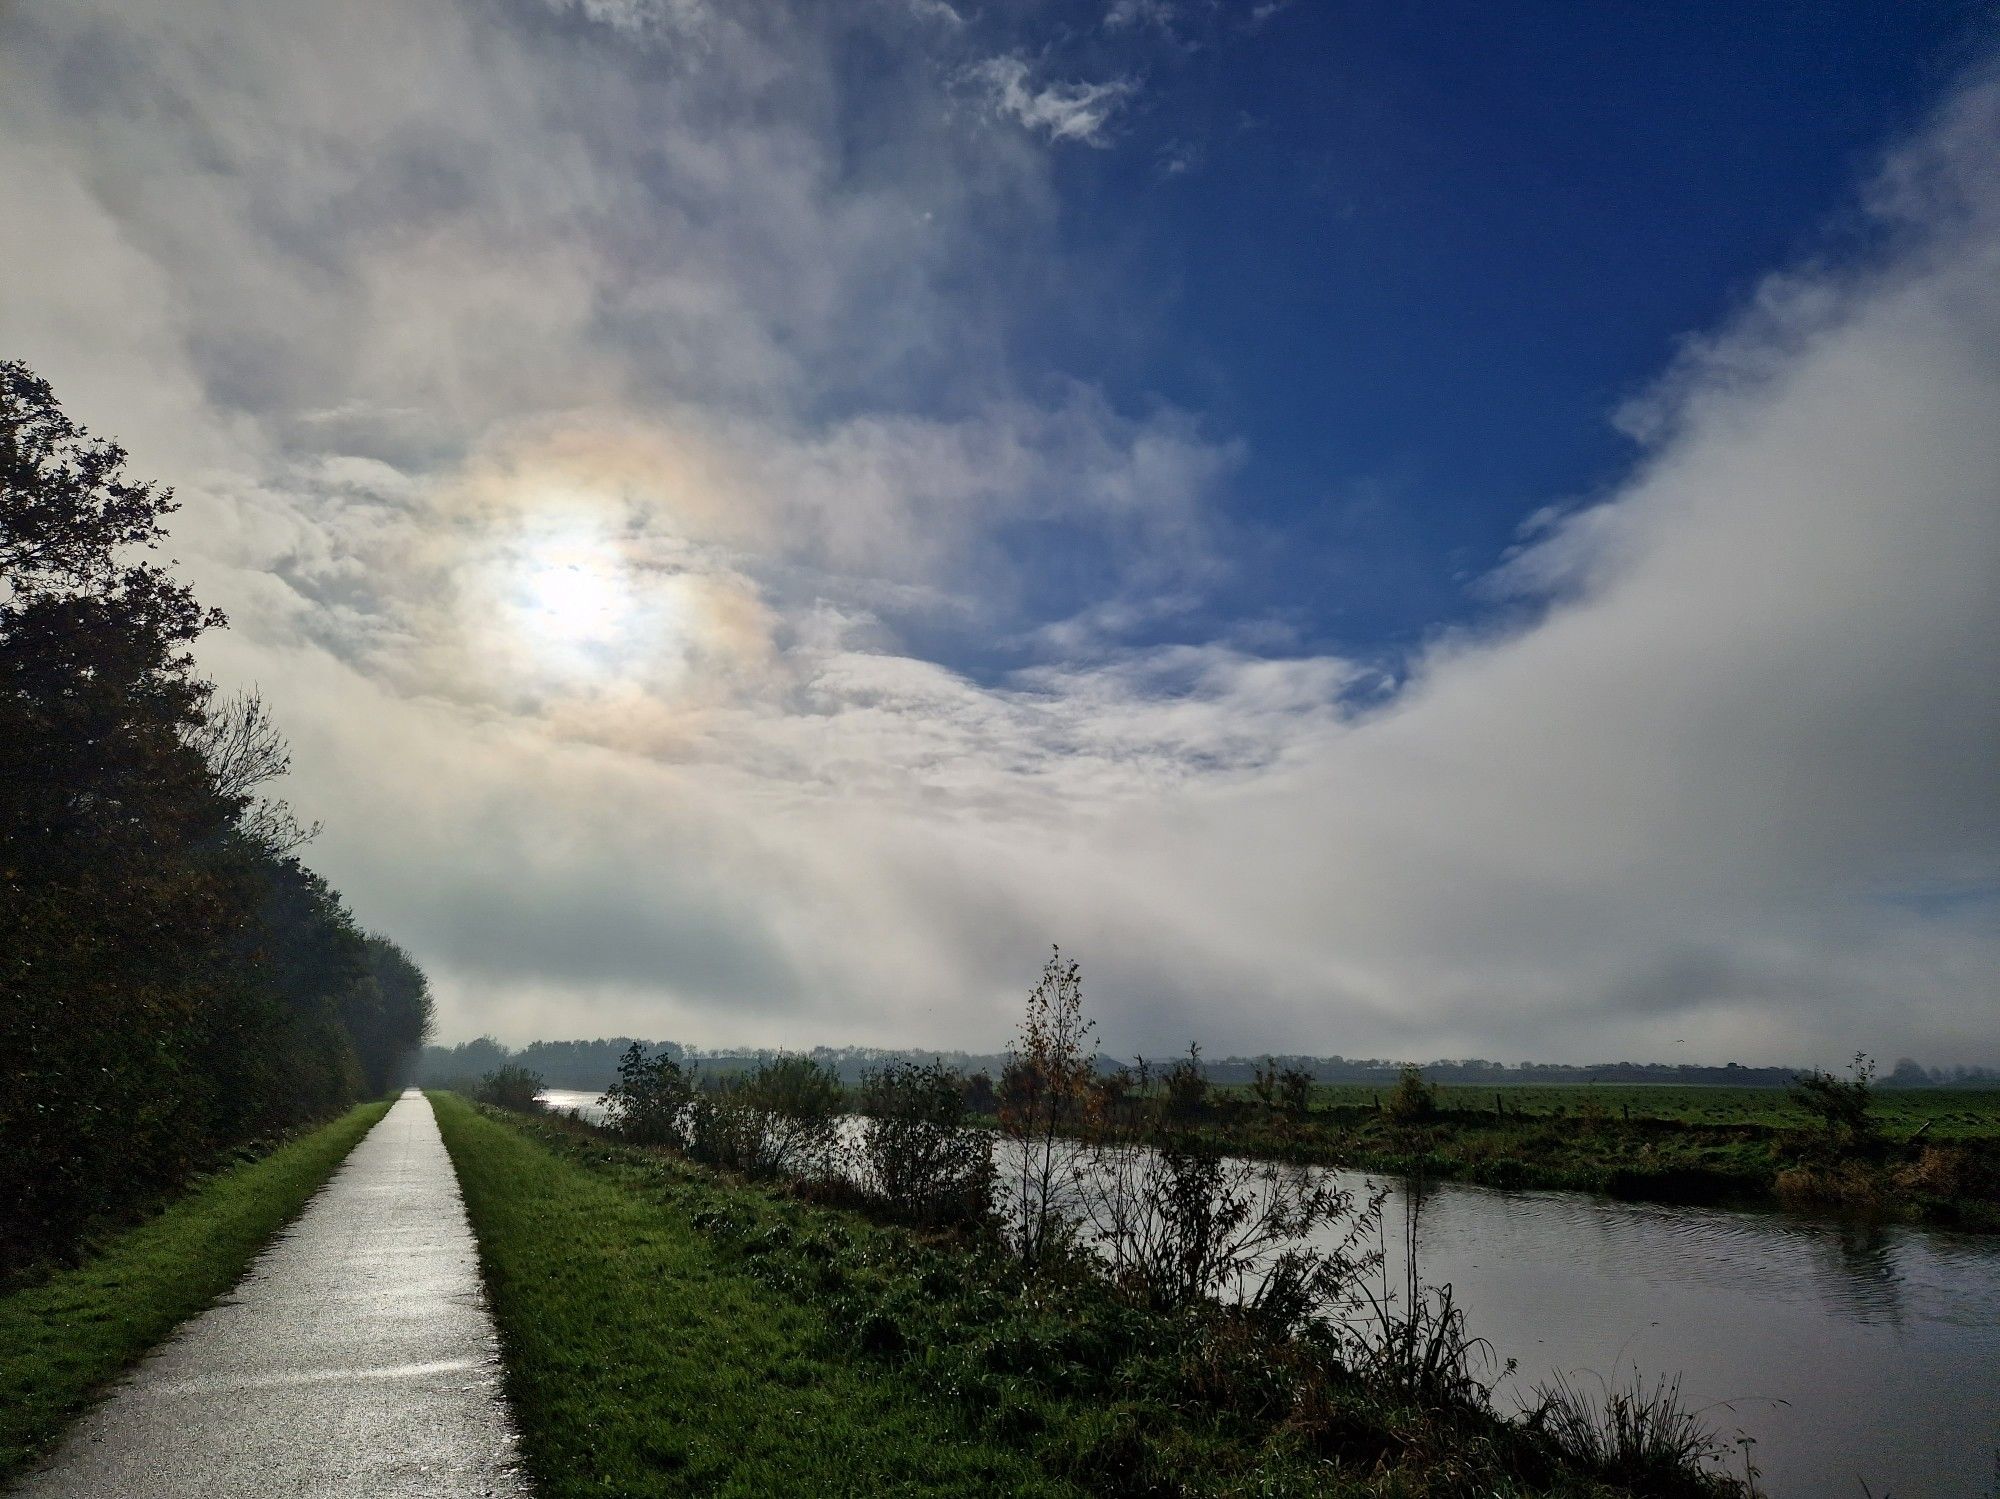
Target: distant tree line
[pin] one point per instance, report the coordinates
(174, 983)
(593, 1065)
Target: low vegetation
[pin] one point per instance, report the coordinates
(672, 1329)
(1831, 1142)
(1118, 1308)
(651, 1351)
(66, 1333)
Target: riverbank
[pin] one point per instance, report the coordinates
(1951, 1181)
(669, 1329)
(65, 1335)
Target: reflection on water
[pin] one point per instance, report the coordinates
(1850, 1353)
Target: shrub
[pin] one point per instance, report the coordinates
(917, 1158)
(1412, 1100)
(1839, 1106)
(1176, 1222)
(648, 1104)
(1295, 1087)
(511, 1087)
(782, 1118)
(721, 1131)
(1045, 1095)
(798, 1101)
(981, 1097)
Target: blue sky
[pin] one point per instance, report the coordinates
(1395, 530)
(1418, 256)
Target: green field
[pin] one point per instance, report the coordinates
(1954, 1113)
(63, 1337)
(1934, 1156)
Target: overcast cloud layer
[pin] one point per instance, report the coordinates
(585, 413)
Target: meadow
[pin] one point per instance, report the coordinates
(1952, 1113)
(1933, 1154)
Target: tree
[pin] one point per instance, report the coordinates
(1044, 1099)
(172, 984)
(240, 743)
(115, 903)
(402, 1016)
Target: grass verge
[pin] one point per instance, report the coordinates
(672, 1330)
(63, 1337)
(641, 1361)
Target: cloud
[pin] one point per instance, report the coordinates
(691, 620)
(1061, 111)
(1131, 14)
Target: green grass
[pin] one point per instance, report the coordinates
(62, 1338)
(672, 1330)
(1746, 1146)
(1955, 1113)
(641, 1360)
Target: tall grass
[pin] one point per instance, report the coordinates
(1633, 1433)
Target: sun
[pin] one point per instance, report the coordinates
(571, 602)
(573, 599)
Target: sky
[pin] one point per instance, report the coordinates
(1450, 530)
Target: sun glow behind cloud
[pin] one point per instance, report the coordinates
(594, 554)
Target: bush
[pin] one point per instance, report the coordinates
(1412, 1100)
(1839, 1106)
(917, 1158)
(511, 1087)
(648, 1104)
(799, 1101)
(782, 1118)
(1176, 1222)
(1187, 1089)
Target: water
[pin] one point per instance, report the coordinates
(589, 1105)
(1849, 1353)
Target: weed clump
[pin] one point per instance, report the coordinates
(1644, 1438)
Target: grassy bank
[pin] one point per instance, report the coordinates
(1937, 1160)
(645, 1358)
(63, 1336)
(669, 1330)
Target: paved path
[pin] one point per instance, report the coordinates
(356, 1358)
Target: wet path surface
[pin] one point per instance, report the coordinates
(356, 1357)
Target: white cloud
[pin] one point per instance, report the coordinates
(1132, 14)
(1062, 111)
(417, 303)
